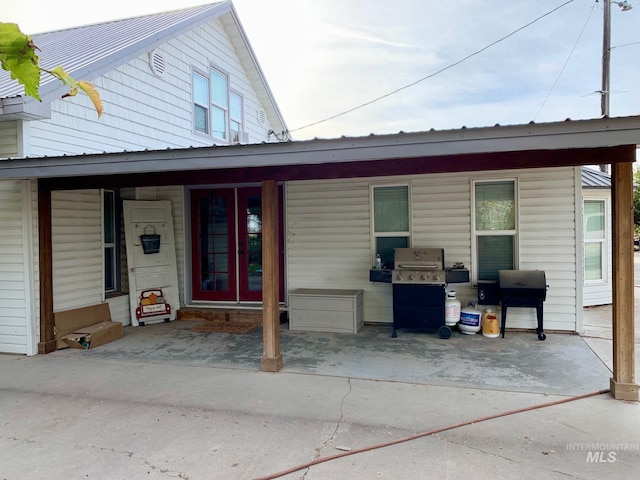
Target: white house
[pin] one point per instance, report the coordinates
(177, 79)
(250, 222)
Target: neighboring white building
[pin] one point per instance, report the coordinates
(598, 262)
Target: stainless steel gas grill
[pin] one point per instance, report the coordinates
(418, 282)
(522, 288)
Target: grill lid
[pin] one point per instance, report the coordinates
(522, 283)
(419, 266)
(419, 258)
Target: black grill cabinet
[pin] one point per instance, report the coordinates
(522, 288)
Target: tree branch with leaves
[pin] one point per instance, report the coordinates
(18, 56)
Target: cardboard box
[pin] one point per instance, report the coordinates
(93, 323)
(94, 335)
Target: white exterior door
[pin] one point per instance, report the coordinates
(153, 275)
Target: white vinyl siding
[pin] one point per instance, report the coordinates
(143, 111)
(9, 139)
(600, 293)
(76, 228)
(16, 312)
(119, 309)
(327, 226)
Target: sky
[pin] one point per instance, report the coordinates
(323, 58)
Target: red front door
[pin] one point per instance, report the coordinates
(227, 245)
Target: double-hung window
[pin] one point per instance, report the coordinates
(235, 117)
(211, 103)
(391, 220)
(219, 104)
(495, 227)
(594, 240)
(200, 103)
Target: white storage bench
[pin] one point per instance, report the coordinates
(326, 310)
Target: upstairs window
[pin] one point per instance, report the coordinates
(391, 225)
(211, 102)
(219, 104)
(200, 103)
(494, 228)
(235, 117)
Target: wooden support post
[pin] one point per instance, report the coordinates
(47, 343)
(271, 357)
(623, 386)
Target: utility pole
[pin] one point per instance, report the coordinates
(606, 59)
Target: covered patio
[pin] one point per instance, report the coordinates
(561, 144)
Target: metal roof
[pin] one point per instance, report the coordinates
(592, 178)
(89, 51)
(577, 134)
(78, 48)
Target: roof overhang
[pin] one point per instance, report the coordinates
(581, 142)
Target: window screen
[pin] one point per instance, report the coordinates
(391, 227)
(594, 237)
(495, 228)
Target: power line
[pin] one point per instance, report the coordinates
(477, 52)
(566, 61)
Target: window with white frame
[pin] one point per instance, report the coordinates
(219, 104)
(200, 103)
(495, 227)
(594, 240)
(390, 220)
(235, 117)
(211, 103)
(111, 240)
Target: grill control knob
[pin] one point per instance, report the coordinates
(399, 277)
(411, 277)
(423, 277)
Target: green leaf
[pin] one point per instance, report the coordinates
(18, 57)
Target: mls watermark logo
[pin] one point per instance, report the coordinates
(601, 456)
(603, 452)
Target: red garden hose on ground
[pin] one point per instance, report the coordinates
(427, 433)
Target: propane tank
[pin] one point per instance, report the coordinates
(490, 326)
(451, 309)
(470, 320)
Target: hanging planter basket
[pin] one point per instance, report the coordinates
(150, 241)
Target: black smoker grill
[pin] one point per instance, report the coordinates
(522, 288)
(418, 282)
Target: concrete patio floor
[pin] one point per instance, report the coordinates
(563, 364)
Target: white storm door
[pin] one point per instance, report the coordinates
(153, 276)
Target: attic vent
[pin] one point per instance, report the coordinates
(262, 117)
(157, 63)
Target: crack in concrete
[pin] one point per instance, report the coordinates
(130, 454)
(335, 430)
(570, 475)
(477, 449)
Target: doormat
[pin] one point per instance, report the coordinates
(227, 326)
